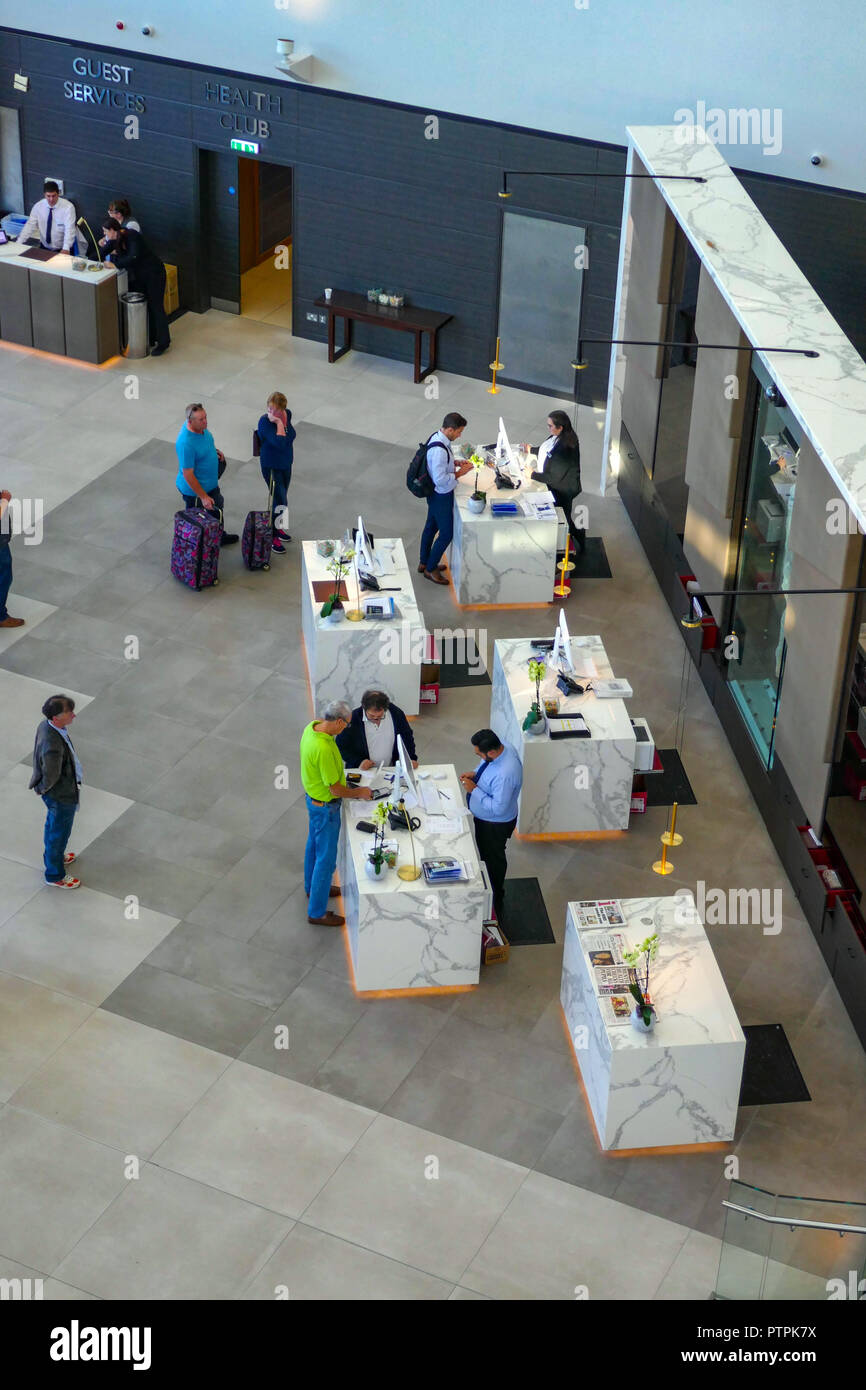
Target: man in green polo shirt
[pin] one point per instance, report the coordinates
(324, 778)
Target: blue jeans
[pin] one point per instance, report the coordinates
(320, 856)
(282, 478)
(440, 518)
(58, 828)
(5, 579)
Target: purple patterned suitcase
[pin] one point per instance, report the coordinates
(195, 551)
(258, 536)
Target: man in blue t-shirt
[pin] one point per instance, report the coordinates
(200, 464)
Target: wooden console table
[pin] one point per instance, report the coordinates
(358, 308)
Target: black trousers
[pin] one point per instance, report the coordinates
(491, 838)
(565, 500)
(152, 284)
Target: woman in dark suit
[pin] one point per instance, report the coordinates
(559, 456)
(129, 251)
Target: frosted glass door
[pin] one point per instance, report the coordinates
(539, 302)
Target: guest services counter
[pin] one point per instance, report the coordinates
(376, 654)
(570, 784)
(411, 934)
(46, 304)
(507, 560)
(680, 1083)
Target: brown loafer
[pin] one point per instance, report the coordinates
(12, 622)
(440, 569)
(330, 919)
(435, 577)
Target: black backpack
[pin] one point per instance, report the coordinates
(418, 479)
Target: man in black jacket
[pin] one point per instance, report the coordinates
(371, 738)
(56, 778)
(130, 252)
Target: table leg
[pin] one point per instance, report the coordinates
(418, 373)
(334, 356)
(421, 372)
(331, 342)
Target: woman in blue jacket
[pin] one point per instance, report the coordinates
(277, 436)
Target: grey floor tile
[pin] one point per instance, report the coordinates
(55, 1184)
(122, 722)
(244, 898)
(63, 664)
(186, 1009)
(512, 1066)
(113, 768)
(315, 1018)
(221, 779)
(171, 1238)
(574, 1155)
(473, 1113)
(40, 580)
(115, 868)
(264, 1138)
(207, 956)
(380, 1051)
(288, 929)
(178, 840)
(312, 1266)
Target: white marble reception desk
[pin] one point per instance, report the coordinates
(348, 658)
(679, 1084)
(413, 935)
(574, 784)
(505, 559)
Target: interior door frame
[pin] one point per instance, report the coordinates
(541, 217)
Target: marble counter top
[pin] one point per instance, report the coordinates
(60, 263)
(346, 658)
(412, 936)
(502, 559)
(679, 1084)
(771, 299)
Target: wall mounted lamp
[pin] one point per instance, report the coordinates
(300, 68)
(580, 363)
(582, 174)
(20, 82)
(694, 590)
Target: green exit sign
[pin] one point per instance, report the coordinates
(245, 146)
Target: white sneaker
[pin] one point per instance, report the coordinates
(65, 883)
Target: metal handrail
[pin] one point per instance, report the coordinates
(794, 1221)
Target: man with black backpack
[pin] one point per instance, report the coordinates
(433, 474)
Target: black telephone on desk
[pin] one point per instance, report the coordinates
(503, 481)
(568, 685)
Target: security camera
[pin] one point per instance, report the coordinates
(774, 395)
(817, 159)
(147, 30)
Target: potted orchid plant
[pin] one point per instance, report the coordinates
(643, 1014)
(332, 608)
(477, 499)
(535, 721)
(378, 858)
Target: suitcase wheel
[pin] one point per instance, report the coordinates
(265, 567)
(216, 581)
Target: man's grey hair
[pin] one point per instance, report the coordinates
(190, 410)
(337, 709)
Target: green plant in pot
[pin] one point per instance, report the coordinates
(378, 858)
(339, 567)
(639, 959)
(477, 498)
(535, 720)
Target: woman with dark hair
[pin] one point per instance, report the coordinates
(129, 251)
(559, 469)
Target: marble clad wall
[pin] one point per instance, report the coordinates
(714, 439)
(652, 241)
(817, 631)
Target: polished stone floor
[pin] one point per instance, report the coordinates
(155, 1142)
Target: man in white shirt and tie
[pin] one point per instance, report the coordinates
(52, 219)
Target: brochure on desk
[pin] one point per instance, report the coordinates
(604, 951)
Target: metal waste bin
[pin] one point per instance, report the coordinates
(134, 327)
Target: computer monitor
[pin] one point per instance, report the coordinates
(404, 777)
(363, 547)
(504, 449)
(561, 654)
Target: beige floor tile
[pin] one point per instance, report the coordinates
(34, 1023)
(381, 1197)
(265, 1138)
(120, 1083)
(311, 1266)
(22, 812)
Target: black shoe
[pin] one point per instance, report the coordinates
(158, 351)
(229, 539)
(283, 535)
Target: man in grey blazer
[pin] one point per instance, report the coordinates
(56, 778)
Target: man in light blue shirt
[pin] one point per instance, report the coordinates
(200, 463)
(494, 791)
(436, 536)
